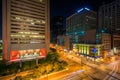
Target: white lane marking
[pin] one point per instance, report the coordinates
(114, 72)
(73, 74)
(89, 76)
(110, 73)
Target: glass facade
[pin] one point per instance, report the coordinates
(78, 23)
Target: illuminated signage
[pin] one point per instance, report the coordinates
(83, 9)
(27, 54)
(87, 9)
(94, 50)
(80, 10)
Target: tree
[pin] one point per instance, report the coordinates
(37, 73)
(49, 68)
(52, 49)
(42, 68)
(32, 63)
(13, 67)
(42, 61)
(63, 64)
(56, 66)
(25, 65)
(52, 56)
(3, 68)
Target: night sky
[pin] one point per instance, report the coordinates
(66, 7)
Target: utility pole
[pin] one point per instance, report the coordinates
(20, 63)
(37, 61)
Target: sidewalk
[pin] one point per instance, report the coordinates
(47, 75)
(12, 76)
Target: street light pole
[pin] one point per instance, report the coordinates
(81, 61)
(20, 63)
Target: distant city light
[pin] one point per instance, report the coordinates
(41, 0)
(83, 9)
(82, 32)
(114, 49)
(102, 31)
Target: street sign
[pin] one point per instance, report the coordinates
(95, 50)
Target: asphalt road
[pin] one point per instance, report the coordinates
(81, 69)
(96, 71)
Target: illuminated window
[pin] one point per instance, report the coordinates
(18, 18)
(41, 0)
(15, 35)
(43, 21)
(32, 23)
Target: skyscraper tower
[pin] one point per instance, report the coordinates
(109, 16)
(25, 29)
(78, 23)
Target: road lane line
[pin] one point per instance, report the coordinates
(113, 74)
(110, 73)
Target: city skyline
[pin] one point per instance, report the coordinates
(60, 40)
(64, 8)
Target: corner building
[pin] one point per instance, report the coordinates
(25, 29)
(80, 22)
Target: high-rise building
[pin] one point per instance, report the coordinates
(25, 29)
(116, 43)
(78, 23)
(57, 28)
(105, 40)
(109, 16)
(90, 37)
(64, 41)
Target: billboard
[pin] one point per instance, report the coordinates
(27, 54)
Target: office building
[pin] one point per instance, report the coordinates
(105, 40)
(78, 23)
(89, 37)
(109, 16)
(1, 55)
(25, 29)
(64, 41)
(57, 28)
(116, 43)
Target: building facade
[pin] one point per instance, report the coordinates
(109, 16)
(89, 37)
(64, 41)
(57, 28)
(78, 23)
(116, 43)
(25, 29)
(93, 50)
(105, 39)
